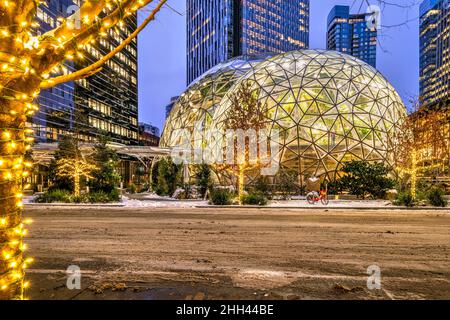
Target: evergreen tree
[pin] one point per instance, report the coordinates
(105, 178)
(203, 176)
(67, 148)
(168, 178)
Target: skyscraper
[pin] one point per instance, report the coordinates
(349, 33)
(218, 30)
(434, 51)
(103, 103)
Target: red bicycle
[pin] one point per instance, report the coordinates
(314, 197)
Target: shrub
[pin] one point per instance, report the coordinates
(203, 177)
(168, 177)
(334, 187)
(221, 197)
(55, 195)
(65, 196)
(287, 183)
(82, 198)
(99, 197)
(68, 148)
(365, 179)
(257, 199)
(404, 199)
(114, 195)
(436, 197)
(132, 188)
(263, 187)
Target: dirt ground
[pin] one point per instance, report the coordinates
(145, 253)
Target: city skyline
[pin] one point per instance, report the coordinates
(162, 53)
(223, 29)
(434, 54)
(349, 33)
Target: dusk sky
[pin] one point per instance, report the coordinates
(162, 52)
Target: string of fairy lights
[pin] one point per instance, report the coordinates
(19, 51)
(92, 84)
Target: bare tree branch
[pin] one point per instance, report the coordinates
(96, 67)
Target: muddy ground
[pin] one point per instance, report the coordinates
(144, 253)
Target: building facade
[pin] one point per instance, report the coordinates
(105, 103)
(148, 135)
(218, 30)
(434, 51)
(349, 33)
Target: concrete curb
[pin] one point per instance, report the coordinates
(326, 208)
(108, 205)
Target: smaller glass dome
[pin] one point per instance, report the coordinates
(197, 104)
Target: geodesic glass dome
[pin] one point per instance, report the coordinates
(328, 107)
(197, 104)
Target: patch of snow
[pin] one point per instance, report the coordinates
(28, 199)
(155, 203)
(332, 204)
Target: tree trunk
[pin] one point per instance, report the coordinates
(12, 151)
(76, 183)
(240, 182)
(413, 174)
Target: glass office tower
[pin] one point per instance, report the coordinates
(218, 30)
(348, 33)
(434, 51)
(105, 103)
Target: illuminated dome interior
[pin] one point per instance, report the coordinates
(197, 104)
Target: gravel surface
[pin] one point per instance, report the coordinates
(212, 253)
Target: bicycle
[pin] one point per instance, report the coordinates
(314, 197)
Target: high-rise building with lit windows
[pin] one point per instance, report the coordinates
(434, 51)
(218, 30)
(105, 103)
(349, 33)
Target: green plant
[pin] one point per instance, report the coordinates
(144, 188)
(132, 188)
(221, 197)
(333, 187)
(246, 112)
(67, 148)
(203, 177)
(263, 187)
(82, 198)
(436, 198)
(105, 178)
(257, 199)
(65, 196)
(99, 197)
(168, 177)
(363, 179)
(287, 184)
(404, 198)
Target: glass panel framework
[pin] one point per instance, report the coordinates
(327, 106)
(196, 106)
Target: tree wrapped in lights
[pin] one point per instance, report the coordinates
(75, 169)
(246, 115)
(422, 146)
(26, 63)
